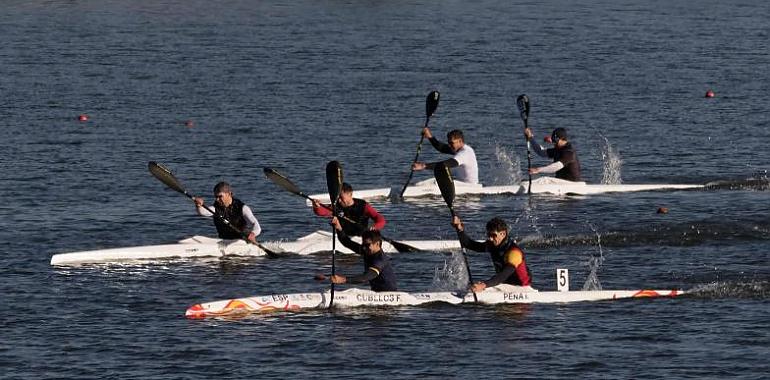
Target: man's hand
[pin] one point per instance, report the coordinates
(418, 166)
(336, 224)
(426, 133)
(457, 223)
(198, 201)
(479, 286)
(338, 279)
(528, 134)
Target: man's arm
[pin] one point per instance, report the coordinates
(379, 220)
(347, 242)
(252, 225)
(370, 274)
(439, 146)
(321, 209)
(552, 168)
(473, 245)
(450, 163)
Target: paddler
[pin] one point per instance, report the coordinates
(377, 268)
(463, 159)
(507, 257)
(354, 213)
(233, 210)
(565, 161)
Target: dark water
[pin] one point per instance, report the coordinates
(292, 85)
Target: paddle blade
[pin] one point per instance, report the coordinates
(523, 103)
(282, 181)
(164, 175)
(445, 183)
(431, 103)
(334, 180)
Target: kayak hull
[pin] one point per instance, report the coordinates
(351, 298)
(201, 246)
(542, 185)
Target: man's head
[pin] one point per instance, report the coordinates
(559, 136)
(223, 194)
(497, 231)
(346, 195)
(371, 241)
(455, 139)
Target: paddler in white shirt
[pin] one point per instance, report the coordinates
(463, 161)
(233, 210)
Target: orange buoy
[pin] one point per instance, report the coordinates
(662, 210)
(189, 124)
(710, 94)
(83, 117)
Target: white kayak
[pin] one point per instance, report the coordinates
(354, 297)
(201, 246)
(542, 185)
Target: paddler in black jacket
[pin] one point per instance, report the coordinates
(232, 209)
(377, 268)
(507, 257)
(356, 212)
(565, 161)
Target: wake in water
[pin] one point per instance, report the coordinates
(659, 234)
(752, 289)
(759, 181)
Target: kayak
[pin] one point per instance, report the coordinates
(355, 297)
(202, 246)
(542, 185)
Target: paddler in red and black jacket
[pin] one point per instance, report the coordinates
(565, 161)
(378, 271)
(507, 257)
(352, 209)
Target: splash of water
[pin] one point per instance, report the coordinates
(453, 276)
(507, 170)
(611, 163)
(594, 263)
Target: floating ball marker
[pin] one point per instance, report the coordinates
(82, 117)
(710, 94)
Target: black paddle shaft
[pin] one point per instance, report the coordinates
(431, 103)
(334, 185)
(523, 103)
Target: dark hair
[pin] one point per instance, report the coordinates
(497, 224)
(222, 187)
(346, 188)
(373, 235)
(455, 134)
(559, 134)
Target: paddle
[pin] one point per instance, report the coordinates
(523, 103)
(164, 175)
(289, 186)
(334, 184)
(431, 103)
(447, 187)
